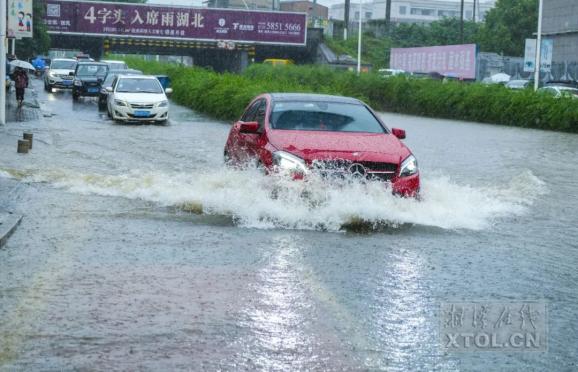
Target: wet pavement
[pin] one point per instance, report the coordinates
(139, 250)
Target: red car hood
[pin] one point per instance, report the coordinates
(312, 145)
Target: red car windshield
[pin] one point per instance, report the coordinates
(324, 116)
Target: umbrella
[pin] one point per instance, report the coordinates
(22, 64)
(500, 78)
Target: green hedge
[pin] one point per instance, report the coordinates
(226, 95)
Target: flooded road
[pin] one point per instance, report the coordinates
(139, 250)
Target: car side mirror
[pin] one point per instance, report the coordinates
(169, 91)
(399, 133)
(248, 127)
(109, 89)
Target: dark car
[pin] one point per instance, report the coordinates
(88, 78)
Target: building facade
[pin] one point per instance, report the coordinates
(316, 11)
(417, 11)
(245, 4)
(337, 11)
(560, 23)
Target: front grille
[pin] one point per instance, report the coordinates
(379, 167)
(65, 77)
(141, 106)
(376, 171)
(383, 177)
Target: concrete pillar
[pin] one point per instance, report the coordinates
(23, 146)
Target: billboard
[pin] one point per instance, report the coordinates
(546, 55)
(19, 18)
(530, 55)
(170, 22)
(449, 60)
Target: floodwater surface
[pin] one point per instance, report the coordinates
(139, 249)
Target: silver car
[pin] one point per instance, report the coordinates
(60, 74)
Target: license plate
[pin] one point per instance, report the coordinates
(67, 82)
(92, 90)
(141, 113)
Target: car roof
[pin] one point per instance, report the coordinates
(135, 76)
(64, 59)
(561, 87)
(112, 61)
(308, 97)
(92, 63)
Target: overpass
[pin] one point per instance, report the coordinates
(224, 39)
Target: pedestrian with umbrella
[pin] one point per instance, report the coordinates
(20, 78)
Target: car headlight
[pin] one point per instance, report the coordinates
(408, 167)
(78, 83)
(163, 104)
(286, 162)
(118, 102)
(51, 74)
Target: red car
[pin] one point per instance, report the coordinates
(304, 133)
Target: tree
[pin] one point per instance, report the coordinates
(444, 32)
(507, 26)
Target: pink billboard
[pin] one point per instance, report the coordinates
(101, 18)
(449, 60)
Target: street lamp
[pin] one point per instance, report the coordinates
(538, 48)
(359, 37)
(2, 61)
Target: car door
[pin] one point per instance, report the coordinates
(238, 140)
(254, 142)
(110, 95)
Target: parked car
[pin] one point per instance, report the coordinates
(389, 72)
(165, 81)
(278, 62)
(137, 98)
(59, 74)
(107, 83)
(84, 58)
(559, 91)
(562, 83)
(297, 134)
(88, 78)
(518, 84)
(116, 65)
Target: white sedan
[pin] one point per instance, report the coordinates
(138, 98)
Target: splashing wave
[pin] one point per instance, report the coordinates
(258, 201)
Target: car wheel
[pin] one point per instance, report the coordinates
(108, 112)
(48, 88)
(75, 96)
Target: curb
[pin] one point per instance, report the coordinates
(8, 224)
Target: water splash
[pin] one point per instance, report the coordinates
(258, 201)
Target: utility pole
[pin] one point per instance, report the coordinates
(359, 37)
(538, 48)
(314, 13)
(346, 18)
(462, 21)
(387, 16)
(474, 14)
(2, 61)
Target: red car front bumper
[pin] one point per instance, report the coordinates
(406, 186)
